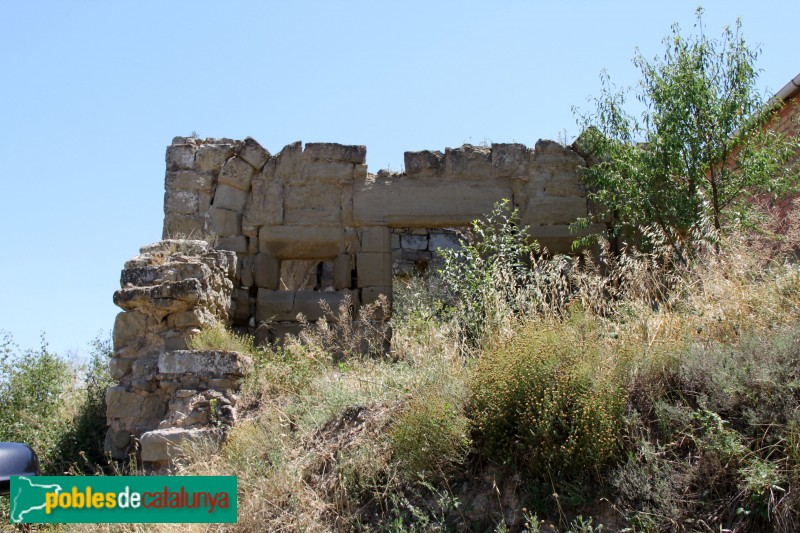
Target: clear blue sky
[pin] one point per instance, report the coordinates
(93, 92)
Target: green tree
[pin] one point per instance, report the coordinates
(699, 148)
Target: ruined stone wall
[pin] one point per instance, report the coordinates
(311, 223)
(166, 394)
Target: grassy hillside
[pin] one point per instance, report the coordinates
(557, 395)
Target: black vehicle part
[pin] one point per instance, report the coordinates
(16, 460)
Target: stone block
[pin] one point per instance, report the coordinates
(444, 241)
(298, 274)
(227, 197)
(374, 269)
(509, 159)
(267, 271)
(253, 153)
(176, 225)
(308, 303)
(129, 327)
(204, 362)
(360, 172)
(236, 173)
(425, 204)
(312, 203)
(326, 282)
(210, 157)
(424, 163)
(235, 243)
(223, 222)
(123, 404)
(301, 242)
(180, 157)
(273, 306)
(189, 180)
(288, 162)
(547, 210)
(333, 172)
(241, 310)
(119, 367)
(376, 239)
(371, 295)
(556, 182)
(343, 271)
(145, 368)
(180, 202)
(335, 152)
(279, 332)
(166, 445)
(414, 242)
(246, 275)
(264, 205)
(187, 319)
(468, 161)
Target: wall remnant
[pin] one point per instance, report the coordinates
(311, 223)
(166, 394)
(307, 225)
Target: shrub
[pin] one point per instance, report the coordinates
(219, 337)
(34, 385)
(431, 437)
(549, 401)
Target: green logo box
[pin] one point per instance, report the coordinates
(123, 499)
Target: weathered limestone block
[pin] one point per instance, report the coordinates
(288, 162)
(274, 306)
(234, 243)
(246, 274)
(308, 303)
(414, 242)
(371, 295)
(546, 210)
(119, 367)
(267, 271)
(181, 202)
(223, 222)
(509, 159)
(301, 242)
(210, 157)
(426, 204)
(332, 172)
(264, 206)
(423, 163)
(123, 404)
(189, 180)
(227, 197)
(299, 274)
(206, 362)
(165, 445)
(128, 328)
(237, 173)
(176, 225)
(376, 239)
(374, 269)
(180, 156)
(335, 152)
(252, 152)
(468, 161)
(161, 300)
(343, 271)
(312, 203)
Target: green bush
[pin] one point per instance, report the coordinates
(548, 401)
(34, 386)
(431, 437)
